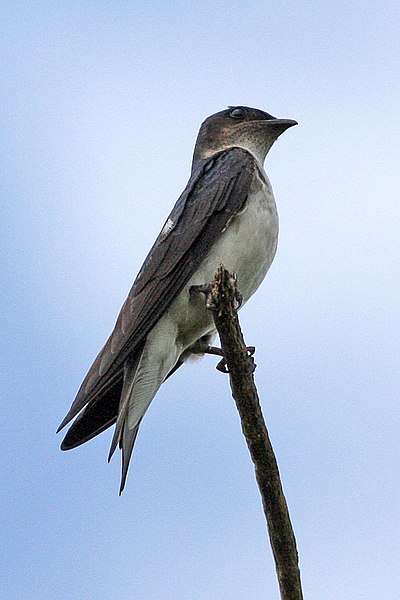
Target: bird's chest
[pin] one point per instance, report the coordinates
(248, 244)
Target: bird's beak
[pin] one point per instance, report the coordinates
(280, 124)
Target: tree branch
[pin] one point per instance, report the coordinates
(241, 367)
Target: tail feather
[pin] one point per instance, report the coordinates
(141, 382)
(98, 415)
(124, 403)
(130, 369)
(126, 443)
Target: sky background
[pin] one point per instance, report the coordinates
(100, 107)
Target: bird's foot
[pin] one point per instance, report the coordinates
(238, 298)
(207, 289)
(222, 366)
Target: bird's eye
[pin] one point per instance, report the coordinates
(238, 113)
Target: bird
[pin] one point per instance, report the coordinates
(225, 215)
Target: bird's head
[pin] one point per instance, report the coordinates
(239, 126)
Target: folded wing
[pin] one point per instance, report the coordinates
(216, 192)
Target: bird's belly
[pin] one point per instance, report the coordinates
(246, 247)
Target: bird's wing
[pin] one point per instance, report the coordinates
(216, 192)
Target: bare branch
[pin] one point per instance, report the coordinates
(241, 366)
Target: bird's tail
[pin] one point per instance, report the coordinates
(142, 379)
(124, 403)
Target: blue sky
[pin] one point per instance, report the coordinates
(101, 104)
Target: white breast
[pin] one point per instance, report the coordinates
(247, 246)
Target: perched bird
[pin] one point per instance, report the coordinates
(226, 214)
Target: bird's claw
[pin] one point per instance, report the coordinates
(207, 290)
(222, 367)
(237, 298)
